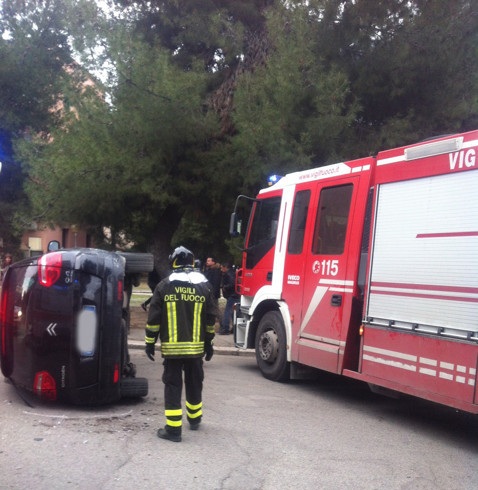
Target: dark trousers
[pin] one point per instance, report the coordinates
(173, 385)
(226, 319)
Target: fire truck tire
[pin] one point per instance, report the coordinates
(271, 353)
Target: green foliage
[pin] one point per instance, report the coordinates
(294, 110)
(203, 100)
(33, 53)
(412, 65)
(124, 165)
(211, 32)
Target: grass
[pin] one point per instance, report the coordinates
(140, 294)
(138, 298)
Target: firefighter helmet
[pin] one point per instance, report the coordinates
(181, 257)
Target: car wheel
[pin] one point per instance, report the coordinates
(133, 387)
(137, 262)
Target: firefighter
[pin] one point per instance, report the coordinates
(182, 314)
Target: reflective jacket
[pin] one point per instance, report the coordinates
(182, 313)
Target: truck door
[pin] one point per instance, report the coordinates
(260, 246)
(327, 286)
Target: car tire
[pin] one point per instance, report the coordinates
(133, 387)
(137, 262)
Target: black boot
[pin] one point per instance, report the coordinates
(170, 436)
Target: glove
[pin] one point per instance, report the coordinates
(208, 350)
(150, 351)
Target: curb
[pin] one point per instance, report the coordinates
(221, 351)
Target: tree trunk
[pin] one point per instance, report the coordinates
(222, 99)
(161, 246)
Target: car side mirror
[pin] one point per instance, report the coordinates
(53, 246)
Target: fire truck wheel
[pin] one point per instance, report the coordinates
(270, 346)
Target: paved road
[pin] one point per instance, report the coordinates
(328, 434)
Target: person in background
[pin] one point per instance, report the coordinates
(7, 261)
(213, 275)
(212, 271)
(153, 280)
(229, 293)
(182, 315)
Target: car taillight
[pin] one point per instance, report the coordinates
(3, 318)
(49, 268)
(120, 291)
(44, 386)
(116, 374)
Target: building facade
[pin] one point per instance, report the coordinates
(35, 240)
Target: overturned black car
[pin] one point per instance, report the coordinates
(64, 321)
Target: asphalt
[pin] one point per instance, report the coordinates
(223, 344)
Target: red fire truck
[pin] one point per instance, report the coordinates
(368, 269)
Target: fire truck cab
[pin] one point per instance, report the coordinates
(369, 269)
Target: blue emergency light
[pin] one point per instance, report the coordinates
(273, 179)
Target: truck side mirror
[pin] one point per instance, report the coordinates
(235, 225)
